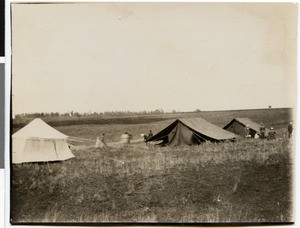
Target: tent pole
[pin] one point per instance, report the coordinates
(55, 149)
(198, 139)
(199, 136)
(79, 139)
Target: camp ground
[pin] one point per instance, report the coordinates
(151, 113)
(189, 162)
(39, 142)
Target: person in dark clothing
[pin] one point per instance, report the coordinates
(262, 130)
(145, 137)
(290, 129)
(150, 134)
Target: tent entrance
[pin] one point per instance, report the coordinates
(182, 135)
(178, 134)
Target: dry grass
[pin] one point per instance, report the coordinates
(245, 181)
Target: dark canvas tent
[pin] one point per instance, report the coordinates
(191, 131)
(237, 126)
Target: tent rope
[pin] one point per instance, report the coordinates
(159, 138)
(80, 139)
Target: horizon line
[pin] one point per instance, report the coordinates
(149, 111)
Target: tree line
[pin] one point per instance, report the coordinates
(91, 114)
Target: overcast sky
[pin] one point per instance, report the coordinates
(147, 56)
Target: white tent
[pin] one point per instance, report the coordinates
(39, 142)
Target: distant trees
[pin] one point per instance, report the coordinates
(87, 114)
(159, 111)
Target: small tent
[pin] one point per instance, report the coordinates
(237, 126)
(190, 131)
(39, 142)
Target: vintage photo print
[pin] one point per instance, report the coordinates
(170, 113)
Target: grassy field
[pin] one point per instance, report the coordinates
(244, 181)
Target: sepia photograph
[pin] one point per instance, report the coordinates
(153, 113)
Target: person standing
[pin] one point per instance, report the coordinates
(145, 137)
(262, 130)
(150, 134)
(100, 141)
(247, 132)
(103, 140)
(126, 138)
(290, 129)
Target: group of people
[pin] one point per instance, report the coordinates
(263, 132)
(145, 137)
(125, 139)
